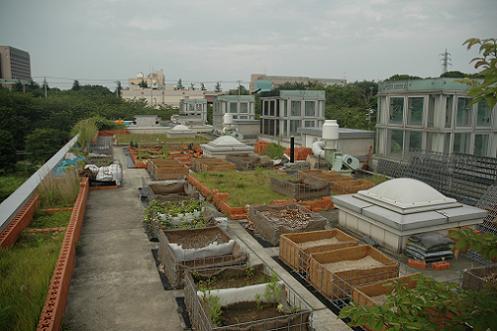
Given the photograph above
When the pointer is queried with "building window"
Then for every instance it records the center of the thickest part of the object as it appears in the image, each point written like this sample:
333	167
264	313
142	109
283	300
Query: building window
310	124
285	131
266	108
396	110
233	108
310	108
415	110
448	111
285	114
295	109
483	116
294	125
244	108
415	141
243	117
461	143
431	111
464	109
235	117
271	107
481	144
396	141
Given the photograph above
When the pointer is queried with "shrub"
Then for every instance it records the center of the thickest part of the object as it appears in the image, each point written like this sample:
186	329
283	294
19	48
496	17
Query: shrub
59	191
7	151
42	144
274	151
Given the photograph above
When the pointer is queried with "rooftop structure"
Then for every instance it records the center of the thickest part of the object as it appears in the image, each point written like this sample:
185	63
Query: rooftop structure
180	131
155	80
285	111
193	109
264	82
14	64
434	115
394	210
225	145
242	107
167	96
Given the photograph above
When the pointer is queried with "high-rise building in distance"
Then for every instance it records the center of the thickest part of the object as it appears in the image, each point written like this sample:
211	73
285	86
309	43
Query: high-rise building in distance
14	64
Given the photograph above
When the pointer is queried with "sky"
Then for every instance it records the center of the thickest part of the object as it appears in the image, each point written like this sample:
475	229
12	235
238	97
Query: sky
101	41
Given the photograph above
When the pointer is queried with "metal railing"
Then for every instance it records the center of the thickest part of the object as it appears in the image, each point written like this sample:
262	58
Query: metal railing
10	206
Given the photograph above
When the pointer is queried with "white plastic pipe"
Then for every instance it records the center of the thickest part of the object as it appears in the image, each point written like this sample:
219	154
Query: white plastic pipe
317	148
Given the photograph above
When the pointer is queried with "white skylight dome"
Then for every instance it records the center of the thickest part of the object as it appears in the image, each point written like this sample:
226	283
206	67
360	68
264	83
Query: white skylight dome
406	195
225	141
180	127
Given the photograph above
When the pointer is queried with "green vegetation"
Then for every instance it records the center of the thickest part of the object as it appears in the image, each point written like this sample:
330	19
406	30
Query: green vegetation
8	156
58	219
487	90
43	143
9	184
431	305
377	179
484	244
247	187
156	139
59	191
274	151
25	272
185	214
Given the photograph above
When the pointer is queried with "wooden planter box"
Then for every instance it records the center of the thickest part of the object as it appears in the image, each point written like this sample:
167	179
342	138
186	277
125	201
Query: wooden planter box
270	229
473	279
339	184
300	190
199	316
295	248
335	273
372	294
174	268
211	165
166	169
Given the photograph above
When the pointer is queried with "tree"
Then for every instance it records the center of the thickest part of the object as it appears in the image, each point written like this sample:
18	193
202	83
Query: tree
218	87
453	74
118	88
192	86
41	144
239	90
7	151
403	77
202	87
75	85
143	84
487	90
179	85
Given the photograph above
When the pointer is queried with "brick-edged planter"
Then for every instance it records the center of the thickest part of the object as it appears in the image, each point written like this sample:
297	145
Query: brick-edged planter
23	218
51	211
110	133
53	311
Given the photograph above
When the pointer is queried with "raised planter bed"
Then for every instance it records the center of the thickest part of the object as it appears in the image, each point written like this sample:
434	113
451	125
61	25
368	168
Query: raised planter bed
53	311
375	294
296	248
247	301
335	273
300	189
166	169
339	184
170	191
249	162
477	278
211	165
181	250
271	221
21	220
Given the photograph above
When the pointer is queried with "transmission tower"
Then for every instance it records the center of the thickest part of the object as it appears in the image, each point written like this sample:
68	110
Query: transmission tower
446	61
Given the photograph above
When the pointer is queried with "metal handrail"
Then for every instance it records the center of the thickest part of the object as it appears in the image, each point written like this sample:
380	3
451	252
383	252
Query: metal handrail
10	206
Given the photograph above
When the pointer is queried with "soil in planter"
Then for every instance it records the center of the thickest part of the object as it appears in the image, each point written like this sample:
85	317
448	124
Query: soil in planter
242	312
199	240
234	278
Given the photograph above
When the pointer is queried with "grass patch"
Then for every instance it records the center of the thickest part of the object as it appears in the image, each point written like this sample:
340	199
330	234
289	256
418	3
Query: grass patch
247	187
8	184
58	219
25	272
274	151
377	179
156	139
59	191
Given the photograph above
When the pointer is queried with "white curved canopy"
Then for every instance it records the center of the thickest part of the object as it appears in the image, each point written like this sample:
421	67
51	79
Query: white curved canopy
180	127
406	195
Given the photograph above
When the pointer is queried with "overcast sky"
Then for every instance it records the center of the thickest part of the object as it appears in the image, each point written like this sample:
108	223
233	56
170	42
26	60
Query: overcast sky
227	40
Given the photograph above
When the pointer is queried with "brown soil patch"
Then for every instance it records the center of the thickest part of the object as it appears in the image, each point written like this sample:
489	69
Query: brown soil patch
320	242
366	262
247	311
233	278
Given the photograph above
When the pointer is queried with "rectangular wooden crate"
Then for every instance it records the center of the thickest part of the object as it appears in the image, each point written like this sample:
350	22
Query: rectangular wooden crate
295	254
299	189
271	231
166	169
211	165
338	283
365	294
174	269
474	279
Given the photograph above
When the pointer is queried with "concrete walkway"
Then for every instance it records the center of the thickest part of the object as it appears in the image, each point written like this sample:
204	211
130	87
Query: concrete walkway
116	285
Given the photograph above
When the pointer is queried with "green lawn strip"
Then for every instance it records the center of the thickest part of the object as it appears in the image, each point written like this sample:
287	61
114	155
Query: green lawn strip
125	139
8	184
25	272
58	219
244	187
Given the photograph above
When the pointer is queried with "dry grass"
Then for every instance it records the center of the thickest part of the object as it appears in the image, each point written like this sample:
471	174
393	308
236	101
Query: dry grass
59	191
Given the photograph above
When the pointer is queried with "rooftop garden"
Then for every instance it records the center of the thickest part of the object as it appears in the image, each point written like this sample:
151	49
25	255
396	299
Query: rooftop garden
156	139
247	187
